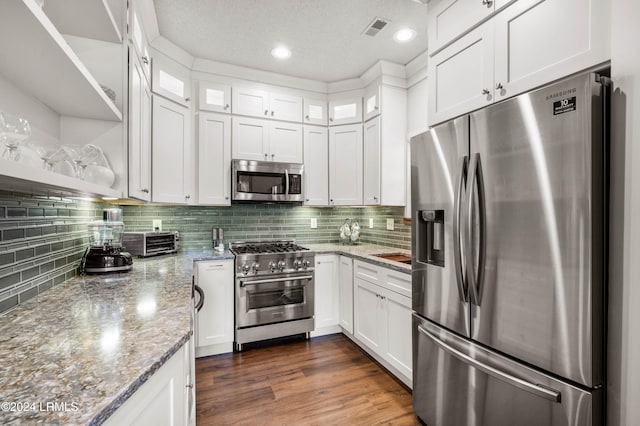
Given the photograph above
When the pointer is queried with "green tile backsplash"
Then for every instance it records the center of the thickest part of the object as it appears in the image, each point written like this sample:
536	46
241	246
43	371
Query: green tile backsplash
269	221
43	238
41	242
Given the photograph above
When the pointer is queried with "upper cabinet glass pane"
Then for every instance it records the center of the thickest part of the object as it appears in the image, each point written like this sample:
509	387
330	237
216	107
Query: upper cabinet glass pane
344	111
171	84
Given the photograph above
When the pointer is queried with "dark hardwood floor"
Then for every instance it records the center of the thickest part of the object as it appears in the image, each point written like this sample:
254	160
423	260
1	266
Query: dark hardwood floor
324	381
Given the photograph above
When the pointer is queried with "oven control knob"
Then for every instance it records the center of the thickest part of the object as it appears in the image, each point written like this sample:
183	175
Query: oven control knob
272	266
281	265
297	264
255	267
245	268
306	263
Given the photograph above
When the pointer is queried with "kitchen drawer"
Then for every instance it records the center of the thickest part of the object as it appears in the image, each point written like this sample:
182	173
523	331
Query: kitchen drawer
367	271
398	282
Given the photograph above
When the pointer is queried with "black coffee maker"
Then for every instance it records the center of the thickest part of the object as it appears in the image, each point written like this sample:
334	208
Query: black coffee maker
105	253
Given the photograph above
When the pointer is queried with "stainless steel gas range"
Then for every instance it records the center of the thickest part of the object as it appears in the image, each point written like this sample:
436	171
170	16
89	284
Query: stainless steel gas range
274	289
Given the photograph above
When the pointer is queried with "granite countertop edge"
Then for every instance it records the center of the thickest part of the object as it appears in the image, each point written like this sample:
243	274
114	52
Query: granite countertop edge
365	252
137	383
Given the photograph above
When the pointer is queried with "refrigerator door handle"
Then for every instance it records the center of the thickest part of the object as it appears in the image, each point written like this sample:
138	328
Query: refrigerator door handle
538	390
457	250
475	278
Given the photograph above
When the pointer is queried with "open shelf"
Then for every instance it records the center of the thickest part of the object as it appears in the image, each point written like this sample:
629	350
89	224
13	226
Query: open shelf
35	57
22	178
84	18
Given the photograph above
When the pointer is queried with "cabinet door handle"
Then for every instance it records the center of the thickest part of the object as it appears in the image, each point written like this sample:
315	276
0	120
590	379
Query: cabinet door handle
265	155
266	112
375	198
273	156
375	107
226	106
331	201
306	116
226	198
272	112
487	3
145	60
145	190
485	91
187	196
187	99
499	86
306	200
330	118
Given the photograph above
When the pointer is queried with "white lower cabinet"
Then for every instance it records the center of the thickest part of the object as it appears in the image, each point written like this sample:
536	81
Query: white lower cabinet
382	319
345	277
326	295
164	398
214	326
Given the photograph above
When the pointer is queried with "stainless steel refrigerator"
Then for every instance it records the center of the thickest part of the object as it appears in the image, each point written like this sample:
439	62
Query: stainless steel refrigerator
509	261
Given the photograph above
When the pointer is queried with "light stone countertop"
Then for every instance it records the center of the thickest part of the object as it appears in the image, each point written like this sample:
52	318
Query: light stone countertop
89	343
365	252
92	341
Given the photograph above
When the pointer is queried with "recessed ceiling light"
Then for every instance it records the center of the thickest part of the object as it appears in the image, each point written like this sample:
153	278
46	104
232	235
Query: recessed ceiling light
281	52
404	35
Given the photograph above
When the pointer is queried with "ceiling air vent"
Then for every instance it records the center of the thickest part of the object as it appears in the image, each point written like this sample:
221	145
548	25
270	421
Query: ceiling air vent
375	26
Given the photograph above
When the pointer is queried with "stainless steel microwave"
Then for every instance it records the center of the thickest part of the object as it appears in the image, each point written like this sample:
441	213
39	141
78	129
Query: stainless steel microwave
266	181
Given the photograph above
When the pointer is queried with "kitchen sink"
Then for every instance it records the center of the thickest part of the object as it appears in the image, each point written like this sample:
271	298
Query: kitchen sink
395	257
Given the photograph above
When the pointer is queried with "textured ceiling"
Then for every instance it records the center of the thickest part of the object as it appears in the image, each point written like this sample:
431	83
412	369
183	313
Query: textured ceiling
324	35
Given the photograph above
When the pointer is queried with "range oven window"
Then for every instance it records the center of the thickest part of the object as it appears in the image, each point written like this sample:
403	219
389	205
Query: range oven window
261	183
270	298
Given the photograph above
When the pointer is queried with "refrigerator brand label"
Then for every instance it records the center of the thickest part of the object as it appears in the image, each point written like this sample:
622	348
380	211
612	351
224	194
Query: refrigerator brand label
564	105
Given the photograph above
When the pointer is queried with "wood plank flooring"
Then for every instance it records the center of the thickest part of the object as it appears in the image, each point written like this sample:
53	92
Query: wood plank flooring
324	381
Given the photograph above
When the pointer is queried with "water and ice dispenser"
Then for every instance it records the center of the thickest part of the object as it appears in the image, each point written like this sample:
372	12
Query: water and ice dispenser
430	237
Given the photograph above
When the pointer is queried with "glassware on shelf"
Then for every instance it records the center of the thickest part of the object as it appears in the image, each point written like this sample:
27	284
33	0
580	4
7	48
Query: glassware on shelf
45	151
13	130
96	168
62	163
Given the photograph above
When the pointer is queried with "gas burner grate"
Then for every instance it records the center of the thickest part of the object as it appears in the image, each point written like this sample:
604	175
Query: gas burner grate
267	247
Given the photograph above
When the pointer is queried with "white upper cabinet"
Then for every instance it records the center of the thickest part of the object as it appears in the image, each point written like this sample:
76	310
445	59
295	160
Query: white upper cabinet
449	19
372	102
461	75
316	166
250	139
171	80
265	140
285	142
247	101
260	103
285	107
345	165
526	57
215	97
172	160
509	54
315	112
214	159
345	111
371	163
385	147
139	40
139	131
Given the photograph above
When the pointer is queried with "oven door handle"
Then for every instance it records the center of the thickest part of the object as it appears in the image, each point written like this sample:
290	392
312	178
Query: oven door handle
274	280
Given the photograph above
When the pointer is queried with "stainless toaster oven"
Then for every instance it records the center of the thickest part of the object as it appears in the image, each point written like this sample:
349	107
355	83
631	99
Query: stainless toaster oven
151	243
